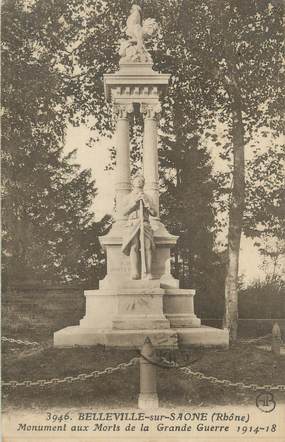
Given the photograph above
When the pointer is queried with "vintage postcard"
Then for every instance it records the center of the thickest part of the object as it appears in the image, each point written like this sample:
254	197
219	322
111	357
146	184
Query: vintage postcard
143	264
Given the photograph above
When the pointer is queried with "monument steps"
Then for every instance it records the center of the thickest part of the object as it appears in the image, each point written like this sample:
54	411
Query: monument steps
182	338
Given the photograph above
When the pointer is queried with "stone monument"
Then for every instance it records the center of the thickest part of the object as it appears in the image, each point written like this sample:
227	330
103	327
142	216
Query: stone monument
138	297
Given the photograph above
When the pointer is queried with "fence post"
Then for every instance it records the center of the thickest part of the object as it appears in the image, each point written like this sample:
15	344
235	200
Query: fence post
276	340
148	384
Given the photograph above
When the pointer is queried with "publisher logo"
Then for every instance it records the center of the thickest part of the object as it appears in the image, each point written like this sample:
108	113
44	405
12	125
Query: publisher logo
265	402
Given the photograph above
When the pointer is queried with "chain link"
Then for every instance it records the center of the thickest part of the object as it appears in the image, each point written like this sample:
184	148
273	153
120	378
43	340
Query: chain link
19	341
240	341
70	379
125	365
253	340
225	382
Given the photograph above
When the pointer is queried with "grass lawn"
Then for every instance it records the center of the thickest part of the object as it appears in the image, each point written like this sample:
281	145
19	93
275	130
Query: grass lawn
36	316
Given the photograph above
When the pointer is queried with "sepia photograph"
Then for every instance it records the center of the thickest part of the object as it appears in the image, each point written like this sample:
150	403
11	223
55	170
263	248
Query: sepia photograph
143	220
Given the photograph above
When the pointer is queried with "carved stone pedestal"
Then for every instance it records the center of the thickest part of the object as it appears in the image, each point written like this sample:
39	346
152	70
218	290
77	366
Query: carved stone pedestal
123	312
118	264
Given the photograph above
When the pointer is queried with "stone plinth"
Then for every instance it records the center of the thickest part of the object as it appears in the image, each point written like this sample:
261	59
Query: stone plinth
178	307
133	339
118	264
124	316
140	309
202	337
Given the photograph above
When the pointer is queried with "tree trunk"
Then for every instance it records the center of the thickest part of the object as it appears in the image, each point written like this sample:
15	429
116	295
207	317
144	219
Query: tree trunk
235	219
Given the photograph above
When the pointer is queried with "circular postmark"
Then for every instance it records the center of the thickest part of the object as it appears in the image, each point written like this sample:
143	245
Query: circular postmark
265	402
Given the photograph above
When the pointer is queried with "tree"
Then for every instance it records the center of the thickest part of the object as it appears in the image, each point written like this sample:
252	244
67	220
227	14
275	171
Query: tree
233	49
225	60
272	251
265	205
242	50
265	196
233	53
49	231
188	211
186	172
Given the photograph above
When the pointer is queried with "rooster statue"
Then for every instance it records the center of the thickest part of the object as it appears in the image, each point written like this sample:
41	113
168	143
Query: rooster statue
134	48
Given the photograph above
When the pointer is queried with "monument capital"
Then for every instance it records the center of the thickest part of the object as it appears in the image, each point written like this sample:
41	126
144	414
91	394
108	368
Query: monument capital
151	111
122	110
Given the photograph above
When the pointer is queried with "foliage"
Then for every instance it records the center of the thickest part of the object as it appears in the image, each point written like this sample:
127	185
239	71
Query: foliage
272	250
224	58
49	231
263	300
265	196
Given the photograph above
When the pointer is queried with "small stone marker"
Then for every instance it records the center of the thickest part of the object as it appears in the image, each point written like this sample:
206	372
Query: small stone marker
276	340
148	398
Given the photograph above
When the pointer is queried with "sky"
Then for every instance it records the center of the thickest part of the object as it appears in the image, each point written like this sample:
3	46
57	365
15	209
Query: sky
97	158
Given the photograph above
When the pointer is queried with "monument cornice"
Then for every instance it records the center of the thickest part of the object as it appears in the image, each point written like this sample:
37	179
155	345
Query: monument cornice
136	75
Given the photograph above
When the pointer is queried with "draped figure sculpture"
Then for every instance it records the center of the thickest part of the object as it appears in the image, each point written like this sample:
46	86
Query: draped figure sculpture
138	242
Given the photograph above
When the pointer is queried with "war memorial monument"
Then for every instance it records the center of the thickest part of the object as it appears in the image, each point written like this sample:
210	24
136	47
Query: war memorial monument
138	297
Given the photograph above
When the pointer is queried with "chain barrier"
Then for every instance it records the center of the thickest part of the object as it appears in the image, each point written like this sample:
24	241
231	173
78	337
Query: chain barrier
18	341
253	340
70	379
33	346
162	363
240	341
225	382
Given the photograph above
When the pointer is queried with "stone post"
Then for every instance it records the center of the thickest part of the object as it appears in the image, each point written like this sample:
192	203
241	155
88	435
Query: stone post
276	340
148	398
150	154
123	175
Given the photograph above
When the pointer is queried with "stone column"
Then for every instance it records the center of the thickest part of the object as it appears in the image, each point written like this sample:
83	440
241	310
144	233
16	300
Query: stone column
150	155
123	174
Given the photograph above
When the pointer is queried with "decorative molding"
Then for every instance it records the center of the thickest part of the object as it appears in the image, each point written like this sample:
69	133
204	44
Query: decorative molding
122	83
151	111
135	91
122	110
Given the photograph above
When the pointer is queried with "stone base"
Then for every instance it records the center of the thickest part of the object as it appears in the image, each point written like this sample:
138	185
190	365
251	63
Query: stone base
202	337
131	339
178	307
134	339
139	305
123	312
148	401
